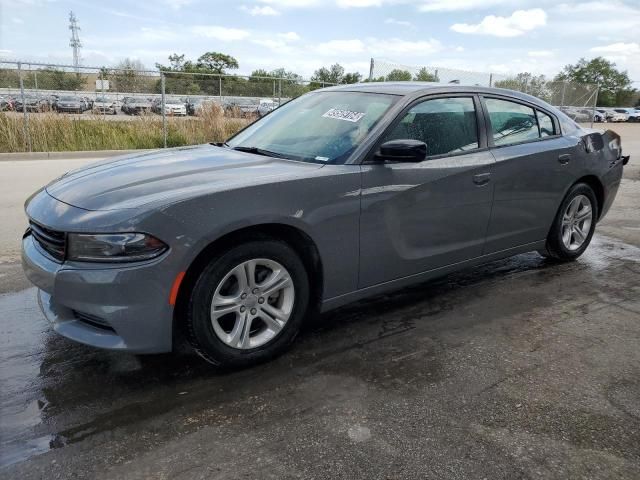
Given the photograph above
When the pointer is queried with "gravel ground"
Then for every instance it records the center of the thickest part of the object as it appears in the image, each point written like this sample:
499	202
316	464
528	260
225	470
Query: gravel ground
515	369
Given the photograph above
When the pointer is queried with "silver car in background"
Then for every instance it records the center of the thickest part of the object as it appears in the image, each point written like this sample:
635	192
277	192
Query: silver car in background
105	106
341	194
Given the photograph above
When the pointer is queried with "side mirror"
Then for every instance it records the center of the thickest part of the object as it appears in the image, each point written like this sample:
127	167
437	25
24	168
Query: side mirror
402	151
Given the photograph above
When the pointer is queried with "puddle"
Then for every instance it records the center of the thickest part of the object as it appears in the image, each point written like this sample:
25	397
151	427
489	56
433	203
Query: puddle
55	392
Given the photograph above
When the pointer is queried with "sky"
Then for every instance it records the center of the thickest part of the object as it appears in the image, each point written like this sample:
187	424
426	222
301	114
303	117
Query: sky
500	36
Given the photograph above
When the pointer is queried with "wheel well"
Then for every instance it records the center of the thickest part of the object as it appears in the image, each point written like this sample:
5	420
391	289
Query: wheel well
597	188
295	238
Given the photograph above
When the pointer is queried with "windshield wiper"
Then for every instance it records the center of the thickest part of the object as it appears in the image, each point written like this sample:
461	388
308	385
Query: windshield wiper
259	151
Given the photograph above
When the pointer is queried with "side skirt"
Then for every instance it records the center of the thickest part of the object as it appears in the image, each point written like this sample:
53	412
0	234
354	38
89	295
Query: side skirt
335	302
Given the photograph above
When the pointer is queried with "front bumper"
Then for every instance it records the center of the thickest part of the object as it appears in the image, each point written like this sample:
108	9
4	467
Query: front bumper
117	307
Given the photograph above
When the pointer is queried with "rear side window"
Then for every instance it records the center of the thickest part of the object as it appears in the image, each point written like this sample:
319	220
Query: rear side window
511	122
546	124
446	125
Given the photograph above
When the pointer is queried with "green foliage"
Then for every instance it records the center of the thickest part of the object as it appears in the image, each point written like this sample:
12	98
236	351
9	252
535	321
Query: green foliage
526	82
50	132
44	79
335	74
351	78
128	76
215	62
614	85
425	75
397	75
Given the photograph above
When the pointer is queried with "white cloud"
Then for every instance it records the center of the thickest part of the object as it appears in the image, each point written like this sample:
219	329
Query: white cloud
261	11
540	53
619	48
219	33
402	23
517	23
293	3
17	21
456	5
340	47
396	46
358	3
289	36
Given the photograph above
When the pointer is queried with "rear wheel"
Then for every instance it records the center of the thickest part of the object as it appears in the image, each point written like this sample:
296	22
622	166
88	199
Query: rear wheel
248	304
574	224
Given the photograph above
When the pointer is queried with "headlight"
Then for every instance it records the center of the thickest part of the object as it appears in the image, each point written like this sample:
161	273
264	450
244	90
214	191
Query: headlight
113	247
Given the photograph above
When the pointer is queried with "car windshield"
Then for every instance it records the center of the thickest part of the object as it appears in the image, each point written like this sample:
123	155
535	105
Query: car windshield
323	127
69	99
102	99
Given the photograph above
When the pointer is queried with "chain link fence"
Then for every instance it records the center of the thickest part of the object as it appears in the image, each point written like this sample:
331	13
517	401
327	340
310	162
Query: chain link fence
578	100
48	107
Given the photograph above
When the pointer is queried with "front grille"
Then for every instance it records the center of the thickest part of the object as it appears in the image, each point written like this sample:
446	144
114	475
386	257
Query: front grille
53	242
93	321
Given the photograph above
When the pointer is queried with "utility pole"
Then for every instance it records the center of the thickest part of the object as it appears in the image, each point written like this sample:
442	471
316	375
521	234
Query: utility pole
74	43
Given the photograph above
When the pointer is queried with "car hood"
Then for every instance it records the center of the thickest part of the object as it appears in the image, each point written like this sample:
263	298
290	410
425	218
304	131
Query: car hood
166	176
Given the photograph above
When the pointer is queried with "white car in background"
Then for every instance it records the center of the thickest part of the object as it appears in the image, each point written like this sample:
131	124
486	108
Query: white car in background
620	115
266	105
172	106
634	114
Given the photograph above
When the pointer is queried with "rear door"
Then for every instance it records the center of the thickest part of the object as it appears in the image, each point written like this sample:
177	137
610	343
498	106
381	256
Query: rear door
417	217
533	168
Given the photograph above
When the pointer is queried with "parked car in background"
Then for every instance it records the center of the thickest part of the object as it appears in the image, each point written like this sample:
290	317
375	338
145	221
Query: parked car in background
136	105
340	194
199	105
240	109
266	105
105	106
32	103
619	115
70	104
600	116
634	115
172	106
7	103
88	103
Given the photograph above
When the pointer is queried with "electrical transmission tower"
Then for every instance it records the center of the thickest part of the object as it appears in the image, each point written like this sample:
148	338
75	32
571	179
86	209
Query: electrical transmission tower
75	40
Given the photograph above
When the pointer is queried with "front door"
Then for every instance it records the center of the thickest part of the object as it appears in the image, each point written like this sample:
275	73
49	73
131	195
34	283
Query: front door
417	217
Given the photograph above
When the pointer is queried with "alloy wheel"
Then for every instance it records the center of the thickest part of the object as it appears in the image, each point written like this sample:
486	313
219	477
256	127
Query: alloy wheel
252	303
576	222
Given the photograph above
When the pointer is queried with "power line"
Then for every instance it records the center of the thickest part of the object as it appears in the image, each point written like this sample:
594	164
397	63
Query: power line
74	43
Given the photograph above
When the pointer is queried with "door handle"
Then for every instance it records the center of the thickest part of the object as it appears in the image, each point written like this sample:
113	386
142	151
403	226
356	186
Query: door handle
481	179
564	158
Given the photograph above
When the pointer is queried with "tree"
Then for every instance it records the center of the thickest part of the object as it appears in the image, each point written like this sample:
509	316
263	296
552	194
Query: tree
352	78
216	62
614	85
333	74
526	82
397	75
129	76
425	75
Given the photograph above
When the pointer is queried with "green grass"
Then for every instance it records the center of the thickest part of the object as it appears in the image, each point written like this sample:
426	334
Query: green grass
50	132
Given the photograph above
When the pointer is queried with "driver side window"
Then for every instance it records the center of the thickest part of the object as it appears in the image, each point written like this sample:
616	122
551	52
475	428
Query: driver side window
446	125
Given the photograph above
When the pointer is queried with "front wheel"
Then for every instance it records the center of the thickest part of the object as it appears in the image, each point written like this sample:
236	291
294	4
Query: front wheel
248	304
574	224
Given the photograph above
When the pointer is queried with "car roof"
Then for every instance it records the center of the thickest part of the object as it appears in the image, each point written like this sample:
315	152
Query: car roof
417	89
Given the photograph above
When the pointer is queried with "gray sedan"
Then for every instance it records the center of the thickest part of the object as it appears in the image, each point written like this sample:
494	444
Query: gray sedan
341	194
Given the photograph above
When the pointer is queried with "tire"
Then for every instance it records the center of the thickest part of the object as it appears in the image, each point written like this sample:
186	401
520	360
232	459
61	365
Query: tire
579	225
222	339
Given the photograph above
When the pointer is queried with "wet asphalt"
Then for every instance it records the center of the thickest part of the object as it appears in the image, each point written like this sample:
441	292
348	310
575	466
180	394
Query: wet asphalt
520	368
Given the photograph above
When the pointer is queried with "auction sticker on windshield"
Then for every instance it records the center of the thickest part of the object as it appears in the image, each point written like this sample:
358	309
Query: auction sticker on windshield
347	115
